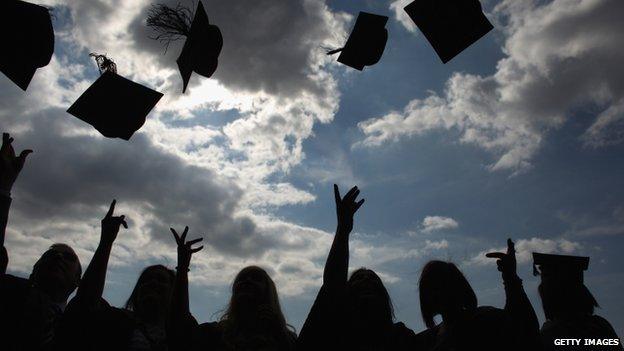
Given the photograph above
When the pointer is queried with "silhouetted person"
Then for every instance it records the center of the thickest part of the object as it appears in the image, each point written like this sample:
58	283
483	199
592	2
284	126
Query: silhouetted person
90	323
354	313
444	291
568	304
29	308
253	319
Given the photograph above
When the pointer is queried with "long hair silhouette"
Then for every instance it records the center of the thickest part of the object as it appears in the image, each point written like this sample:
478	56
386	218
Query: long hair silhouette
252	288
366	288
152	289
444	289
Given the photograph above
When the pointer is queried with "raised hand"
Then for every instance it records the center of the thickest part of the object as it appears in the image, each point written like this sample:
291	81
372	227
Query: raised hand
185	250
111	224
10	164
506	262
346	208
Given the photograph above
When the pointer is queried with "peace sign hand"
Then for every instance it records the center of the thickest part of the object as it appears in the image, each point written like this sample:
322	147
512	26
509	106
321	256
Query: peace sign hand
111	224
506	262
10	164
185	250
346	208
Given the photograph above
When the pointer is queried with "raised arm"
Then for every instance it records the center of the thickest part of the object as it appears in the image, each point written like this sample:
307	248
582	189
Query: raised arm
94	278
10	167
337	264
517	305
181	321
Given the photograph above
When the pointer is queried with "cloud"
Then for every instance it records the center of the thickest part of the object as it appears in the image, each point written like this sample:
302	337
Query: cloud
559	55
401	16
437	223
525	248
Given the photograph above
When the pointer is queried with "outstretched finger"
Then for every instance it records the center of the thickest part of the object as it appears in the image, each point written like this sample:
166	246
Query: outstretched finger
122	220
175	236
498	255
355	195
511	248
111	209
358	204
349	194
337	197
197	249
183	237
195	241
5	140
23	155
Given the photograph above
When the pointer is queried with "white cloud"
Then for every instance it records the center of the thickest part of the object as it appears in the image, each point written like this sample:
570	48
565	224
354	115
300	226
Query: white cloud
437	223
560	55
401	16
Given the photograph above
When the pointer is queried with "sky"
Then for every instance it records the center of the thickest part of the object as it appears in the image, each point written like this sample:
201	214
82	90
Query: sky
519	136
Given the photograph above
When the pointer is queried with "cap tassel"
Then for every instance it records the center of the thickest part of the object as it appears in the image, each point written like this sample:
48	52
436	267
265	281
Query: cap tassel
170	24
104	63
334	51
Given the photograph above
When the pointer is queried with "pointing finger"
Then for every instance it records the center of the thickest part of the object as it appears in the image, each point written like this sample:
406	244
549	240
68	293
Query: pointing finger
175	236
111	209
498	255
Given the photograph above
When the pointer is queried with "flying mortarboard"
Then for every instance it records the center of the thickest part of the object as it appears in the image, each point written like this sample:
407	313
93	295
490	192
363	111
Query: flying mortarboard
203	43
115	106
560	267
29	40
366	43
450	26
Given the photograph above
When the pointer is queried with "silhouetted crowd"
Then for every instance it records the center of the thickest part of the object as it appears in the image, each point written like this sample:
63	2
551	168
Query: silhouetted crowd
350	312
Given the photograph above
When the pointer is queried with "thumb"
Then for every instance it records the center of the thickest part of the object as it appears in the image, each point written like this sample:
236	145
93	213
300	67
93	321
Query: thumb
23	155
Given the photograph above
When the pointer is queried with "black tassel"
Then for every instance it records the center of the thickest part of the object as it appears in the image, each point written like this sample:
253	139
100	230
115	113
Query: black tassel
104	63
170	24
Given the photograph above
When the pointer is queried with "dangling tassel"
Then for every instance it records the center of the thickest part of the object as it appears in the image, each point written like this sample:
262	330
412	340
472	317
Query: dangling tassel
104	63
170	24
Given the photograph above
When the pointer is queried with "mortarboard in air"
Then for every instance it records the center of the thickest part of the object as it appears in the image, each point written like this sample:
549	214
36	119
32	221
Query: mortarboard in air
366	43
115	106
450	26
29	40
560	267
203	44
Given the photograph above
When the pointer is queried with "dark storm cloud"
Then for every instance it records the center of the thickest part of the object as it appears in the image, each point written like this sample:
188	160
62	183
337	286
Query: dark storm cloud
71	176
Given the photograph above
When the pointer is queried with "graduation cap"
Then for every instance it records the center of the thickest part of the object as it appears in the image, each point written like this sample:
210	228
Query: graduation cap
366	43
561	268
203	44
450	26
114	105
28	43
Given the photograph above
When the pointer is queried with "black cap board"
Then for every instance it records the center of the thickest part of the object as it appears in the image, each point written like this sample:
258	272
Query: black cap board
450	26
560	267
366	43
28	43
201	50
115	106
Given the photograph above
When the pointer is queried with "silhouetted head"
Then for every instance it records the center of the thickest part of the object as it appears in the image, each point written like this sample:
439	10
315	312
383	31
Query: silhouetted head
369	302
57	272
563	300
151	295
444	291
253	290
